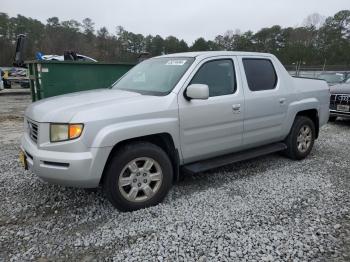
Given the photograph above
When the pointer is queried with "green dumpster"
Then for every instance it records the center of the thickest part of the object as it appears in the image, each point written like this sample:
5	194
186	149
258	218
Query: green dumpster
52	78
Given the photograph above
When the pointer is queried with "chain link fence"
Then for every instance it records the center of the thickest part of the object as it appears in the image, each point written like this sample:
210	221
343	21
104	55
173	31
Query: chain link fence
317	70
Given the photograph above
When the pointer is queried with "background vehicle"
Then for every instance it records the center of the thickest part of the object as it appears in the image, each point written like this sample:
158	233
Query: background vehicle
15	75
333	78
340	101
189	111
1	82
18	73
75	57
5	72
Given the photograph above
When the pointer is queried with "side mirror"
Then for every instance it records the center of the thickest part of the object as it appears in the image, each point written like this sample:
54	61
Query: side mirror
197	91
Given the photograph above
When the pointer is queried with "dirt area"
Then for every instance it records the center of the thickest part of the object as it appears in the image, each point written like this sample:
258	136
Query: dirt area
12	105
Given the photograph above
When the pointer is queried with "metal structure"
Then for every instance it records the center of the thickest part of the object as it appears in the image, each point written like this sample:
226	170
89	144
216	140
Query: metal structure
314	70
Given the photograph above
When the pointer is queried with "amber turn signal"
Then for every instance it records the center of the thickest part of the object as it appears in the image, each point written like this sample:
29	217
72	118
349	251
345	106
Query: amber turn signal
75	130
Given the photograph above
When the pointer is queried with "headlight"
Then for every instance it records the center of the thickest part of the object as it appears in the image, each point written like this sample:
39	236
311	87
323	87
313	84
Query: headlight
64	132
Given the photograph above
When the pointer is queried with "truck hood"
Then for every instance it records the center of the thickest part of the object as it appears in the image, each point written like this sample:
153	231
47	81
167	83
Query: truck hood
340	89
62	109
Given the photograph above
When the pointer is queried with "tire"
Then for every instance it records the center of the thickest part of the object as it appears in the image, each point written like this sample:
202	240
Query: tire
25	85
7	84
332	119
123	178
299	150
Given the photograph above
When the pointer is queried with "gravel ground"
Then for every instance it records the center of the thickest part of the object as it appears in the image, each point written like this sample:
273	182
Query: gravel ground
266	209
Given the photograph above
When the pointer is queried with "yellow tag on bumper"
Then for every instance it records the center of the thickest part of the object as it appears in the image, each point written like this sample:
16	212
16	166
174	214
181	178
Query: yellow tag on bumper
23	160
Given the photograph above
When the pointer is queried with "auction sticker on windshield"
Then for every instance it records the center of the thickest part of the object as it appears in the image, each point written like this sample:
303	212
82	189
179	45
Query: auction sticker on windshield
176	62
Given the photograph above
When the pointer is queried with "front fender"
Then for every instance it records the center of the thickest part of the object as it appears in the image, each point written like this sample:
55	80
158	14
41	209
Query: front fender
115	133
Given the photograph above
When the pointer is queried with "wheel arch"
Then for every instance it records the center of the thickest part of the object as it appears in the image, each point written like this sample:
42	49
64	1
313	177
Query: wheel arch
313	115
163	140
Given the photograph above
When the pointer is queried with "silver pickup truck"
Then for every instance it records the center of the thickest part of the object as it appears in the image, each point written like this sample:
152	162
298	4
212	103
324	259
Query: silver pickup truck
186	112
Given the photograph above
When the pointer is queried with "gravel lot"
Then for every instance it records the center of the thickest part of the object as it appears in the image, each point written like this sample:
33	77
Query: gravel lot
267	209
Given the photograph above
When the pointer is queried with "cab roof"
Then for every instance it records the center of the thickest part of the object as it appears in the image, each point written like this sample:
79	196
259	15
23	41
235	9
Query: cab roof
206	54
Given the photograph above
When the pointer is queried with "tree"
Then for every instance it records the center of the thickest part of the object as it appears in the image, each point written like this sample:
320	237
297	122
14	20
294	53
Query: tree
5	39
200	45
172	45
225	42
72	25
102	33
88	26
155	45
183	47
53	21
317	40
244	42
341	21
334	38
268	39
314	20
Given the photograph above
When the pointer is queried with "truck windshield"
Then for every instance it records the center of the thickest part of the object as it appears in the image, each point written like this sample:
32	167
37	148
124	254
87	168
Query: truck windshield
332	78
156	76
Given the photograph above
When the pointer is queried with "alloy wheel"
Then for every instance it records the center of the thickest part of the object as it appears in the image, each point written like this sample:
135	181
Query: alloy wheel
304	138
140	179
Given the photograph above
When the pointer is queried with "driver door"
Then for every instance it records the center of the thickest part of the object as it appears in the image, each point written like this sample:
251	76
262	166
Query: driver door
214	126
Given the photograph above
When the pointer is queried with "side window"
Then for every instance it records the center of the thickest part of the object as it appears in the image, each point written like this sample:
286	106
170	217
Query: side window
219	75
261	74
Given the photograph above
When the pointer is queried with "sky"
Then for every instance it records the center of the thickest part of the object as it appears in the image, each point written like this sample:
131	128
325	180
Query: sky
185	19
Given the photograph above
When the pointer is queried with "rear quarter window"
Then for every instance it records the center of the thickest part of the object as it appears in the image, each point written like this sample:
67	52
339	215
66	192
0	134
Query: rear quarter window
260	73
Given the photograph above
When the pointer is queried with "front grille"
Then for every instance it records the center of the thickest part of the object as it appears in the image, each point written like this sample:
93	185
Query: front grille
33	131
339	99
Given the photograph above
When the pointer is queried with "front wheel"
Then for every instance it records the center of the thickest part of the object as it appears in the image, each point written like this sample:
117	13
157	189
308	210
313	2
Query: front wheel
138	176
301	138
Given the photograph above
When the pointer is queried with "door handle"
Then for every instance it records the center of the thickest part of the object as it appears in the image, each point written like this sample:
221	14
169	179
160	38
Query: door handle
282	101
236	108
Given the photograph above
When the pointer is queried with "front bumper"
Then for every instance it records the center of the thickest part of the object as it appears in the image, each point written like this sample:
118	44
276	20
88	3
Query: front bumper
336	100
78	169
339	114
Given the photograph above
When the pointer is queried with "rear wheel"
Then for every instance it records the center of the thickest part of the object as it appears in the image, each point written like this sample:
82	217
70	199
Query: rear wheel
301	138
139	175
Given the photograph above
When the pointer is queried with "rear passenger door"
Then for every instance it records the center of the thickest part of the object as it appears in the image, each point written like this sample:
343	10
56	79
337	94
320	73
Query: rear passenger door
214	126
265	101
